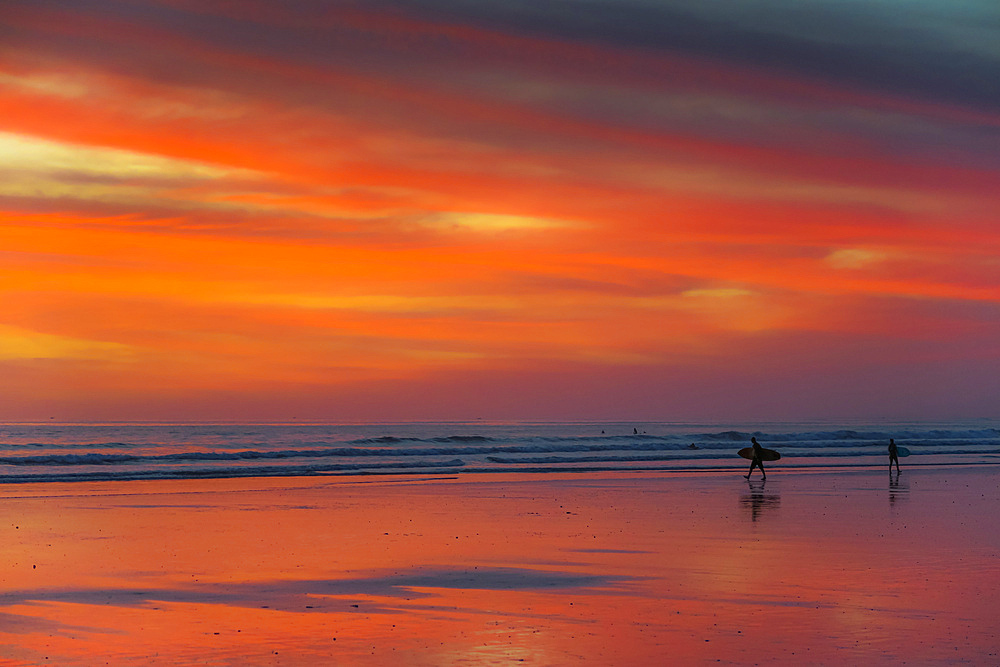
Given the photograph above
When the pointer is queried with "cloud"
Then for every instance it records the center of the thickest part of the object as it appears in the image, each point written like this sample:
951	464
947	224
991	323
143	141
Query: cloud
17	343
854	258
493	222
36	155
34	168
941	52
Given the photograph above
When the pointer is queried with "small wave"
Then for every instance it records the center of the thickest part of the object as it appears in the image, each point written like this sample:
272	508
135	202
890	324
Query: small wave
930	436
595	459
76	445
463	438
731	436
220	473
717	456
392	440
69	459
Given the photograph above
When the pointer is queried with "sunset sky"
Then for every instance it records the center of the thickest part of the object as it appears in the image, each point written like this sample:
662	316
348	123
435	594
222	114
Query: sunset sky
578	209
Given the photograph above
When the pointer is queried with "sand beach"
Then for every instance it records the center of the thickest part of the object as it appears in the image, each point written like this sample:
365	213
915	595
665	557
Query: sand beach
819	567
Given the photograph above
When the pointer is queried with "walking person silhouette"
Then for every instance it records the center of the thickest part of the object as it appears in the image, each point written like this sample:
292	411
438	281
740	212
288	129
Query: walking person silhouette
757	460
893	455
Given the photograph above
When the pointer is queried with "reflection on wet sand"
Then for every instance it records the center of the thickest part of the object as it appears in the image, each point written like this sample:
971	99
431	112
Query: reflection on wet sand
897	487
757	501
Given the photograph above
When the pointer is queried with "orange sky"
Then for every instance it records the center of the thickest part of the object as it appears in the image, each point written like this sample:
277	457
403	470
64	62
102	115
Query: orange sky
427	210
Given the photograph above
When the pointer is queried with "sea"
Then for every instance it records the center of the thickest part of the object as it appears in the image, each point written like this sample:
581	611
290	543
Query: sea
67	452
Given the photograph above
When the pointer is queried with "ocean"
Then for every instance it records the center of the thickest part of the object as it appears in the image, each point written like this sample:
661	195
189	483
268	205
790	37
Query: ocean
65	452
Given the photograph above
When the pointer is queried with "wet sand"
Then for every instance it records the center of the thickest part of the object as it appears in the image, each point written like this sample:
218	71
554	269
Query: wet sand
832	567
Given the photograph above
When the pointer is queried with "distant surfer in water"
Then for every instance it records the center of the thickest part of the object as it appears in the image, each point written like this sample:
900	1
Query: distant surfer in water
893	455
757	460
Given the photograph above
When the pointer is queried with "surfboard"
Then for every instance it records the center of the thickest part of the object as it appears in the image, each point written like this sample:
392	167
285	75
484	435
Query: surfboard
902	451
765	454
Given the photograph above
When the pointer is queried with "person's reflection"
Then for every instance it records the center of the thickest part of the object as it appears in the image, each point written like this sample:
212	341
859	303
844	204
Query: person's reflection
896	488
757	501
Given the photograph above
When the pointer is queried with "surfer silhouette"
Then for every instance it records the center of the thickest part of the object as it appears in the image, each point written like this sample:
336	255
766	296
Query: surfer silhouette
757	461
893	455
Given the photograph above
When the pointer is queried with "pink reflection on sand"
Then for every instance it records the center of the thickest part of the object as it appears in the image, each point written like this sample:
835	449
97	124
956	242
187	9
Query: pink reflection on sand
841	567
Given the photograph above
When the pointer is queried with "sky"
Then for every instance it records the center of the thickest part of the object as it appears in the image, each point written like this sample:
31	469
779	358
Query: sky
500	209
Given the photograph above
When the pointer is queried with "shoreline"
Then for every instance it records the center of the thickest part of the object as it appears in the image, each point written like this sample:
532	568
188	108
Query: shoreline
513	472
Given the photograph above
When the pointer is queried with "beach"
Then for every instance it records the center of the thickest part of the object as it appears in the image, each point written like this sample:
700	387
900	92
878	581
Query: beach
443	333
831	566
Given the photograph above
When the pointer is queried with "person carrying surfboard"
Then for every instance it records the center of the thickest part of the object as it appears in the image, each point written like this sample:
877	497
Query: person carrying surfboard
757	459
893	455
